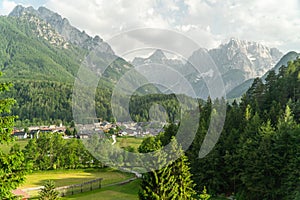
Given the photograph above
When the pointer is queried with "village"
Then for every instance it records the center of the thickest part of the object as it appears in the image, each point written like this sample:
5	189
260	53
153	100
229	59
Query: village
83	131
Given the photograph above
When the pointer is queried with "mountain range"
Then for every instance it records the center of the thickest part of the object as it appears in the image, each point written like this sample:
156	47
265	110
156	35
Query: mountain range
41	45
41	50
237	61
241	89
46	20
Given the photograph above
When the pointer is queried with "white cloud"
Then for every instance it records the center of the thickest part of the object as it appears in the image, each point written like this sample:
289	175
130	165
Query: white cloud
208	22
271	22
106	17
7	6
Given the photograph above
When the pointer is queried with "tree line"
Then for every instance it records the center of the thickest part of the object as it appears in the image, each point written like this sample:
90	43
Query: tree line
52	151
49	102
257	155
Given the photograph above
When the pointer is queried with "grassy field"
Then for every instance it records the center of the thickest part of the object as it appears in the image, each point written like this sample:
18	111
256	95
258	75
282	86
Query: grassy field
70	177
128	191
121	192
129	141
6	147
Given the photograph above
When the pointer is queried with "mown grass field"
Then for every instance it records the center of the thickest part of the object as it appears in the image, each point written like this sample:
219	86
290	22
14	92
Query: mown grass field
127	191
71	177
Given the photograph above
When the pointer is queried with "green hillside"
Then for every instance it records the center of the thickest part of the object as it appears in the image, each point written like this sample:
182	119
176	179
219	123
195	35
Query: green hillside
25	56
43	71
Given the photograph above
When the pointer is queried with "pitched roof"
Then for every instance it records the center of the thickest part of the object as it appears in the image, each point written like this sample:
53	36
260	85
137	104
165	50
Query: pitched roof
19	192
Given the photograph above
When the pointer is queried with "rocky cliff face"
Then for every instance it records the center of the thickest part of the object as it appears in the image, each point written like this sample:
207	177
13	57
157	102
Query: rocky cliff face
237	62
252	58
63	28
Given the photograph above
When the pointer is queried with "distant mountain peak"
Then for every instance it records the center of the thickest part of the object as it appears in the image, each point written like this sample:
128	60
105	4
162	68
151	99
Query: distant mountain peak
20	10
234	42
199	52
64	28
251	57
157	55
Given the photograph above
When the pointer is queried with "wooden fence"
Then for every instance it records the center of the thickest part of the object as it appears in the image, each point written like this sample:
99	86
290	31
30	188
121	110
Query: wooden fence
79	188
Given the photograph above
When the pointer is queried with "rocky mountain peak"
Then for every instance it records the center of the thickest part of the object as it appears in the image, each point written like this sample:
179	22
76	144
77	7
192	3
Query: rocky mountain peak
64	28
257	58
240	60
234	42
19	11
158	55
39	27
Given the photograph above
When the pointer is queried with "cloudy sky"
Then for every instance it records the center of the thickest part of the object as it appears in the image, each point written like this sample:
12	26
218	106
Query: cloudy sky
209	22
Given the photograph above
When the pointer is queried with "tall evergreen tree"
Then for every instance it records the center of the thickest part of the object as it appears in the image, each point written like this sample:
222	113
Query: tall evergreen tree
172	180
49	192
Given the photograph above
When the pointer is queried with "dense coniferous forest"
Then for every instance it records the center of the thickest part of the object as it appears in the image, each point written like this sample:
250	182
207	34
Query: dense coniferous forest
46	102
257	155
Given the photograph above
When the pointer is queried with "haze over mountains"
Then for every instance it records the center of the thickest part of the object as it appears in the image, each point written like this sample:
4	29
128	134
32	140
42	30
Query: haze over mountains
237	61
239	90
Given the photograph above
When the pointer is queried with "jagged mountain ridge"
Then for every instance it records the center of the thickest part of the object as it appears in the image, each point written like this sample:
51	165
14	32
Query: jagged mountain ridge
64	28
158	57
237	61
43	26
253	58
242	88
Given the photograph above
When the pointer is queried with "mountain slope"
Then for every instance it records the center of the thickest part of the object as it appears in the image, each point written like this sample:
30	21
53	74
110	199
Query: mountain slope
24	56
290	56
41	45
242	88
42	63
237	61
63	27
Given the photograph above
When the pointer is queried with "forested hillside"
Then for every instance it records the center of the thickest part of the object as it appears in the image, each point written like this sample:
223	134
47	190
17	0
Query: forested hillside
40	102
43	70
257	156
25	56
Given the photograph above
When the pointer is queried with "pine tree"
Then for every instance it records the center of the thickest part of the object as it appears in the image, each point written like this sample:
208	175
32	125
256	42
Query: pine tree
172	181
204	195
287	152
49	192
